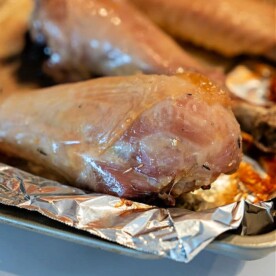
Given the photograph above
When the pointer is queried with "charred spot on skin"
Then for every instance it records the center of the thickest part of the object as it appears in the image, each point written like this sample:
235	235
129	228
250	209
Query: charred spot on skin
206	167
189	94
80	106
239	142
206	187
42	152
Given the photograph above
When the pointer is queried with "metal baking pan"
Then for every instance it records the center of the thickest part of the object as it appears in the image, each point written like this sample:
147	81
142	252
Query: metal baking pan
235	246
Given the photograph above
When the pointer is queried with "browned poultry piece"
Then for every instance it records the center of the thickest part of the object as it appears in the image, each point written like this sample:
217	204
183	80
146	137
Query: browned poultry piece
230	27
105	37
137	136
259	121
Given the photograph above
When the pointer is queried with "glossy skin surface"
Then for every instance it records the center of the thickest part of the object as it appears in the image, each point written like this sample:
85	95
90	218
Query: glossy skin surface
231	27
137	136
105	37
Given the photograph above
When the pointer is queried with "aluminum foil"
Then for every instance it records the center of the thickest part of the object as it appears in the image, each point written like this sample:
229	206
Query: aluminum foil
253	82
174	233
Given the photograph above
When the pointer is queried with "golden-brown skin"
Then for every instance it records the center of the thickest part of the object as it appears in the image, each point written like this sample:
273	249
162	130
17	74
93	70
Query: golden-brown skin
14	21
136	136
231	27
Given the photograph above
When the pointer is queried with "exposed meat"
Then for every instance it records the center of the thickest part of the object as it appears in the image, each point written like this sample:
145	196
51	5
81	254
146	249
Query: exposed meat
135	136
105	37
258	121
231	27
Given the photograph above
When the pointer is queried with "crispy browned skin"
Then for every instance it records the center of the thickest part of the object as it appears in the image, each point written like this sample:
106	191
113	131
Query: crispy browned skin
14	18
231	27
105	37
137	136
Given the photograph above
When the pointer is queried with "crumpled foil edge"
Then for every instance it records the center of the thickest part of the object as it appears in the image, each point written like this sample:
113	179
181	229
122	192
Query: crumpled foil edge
174	233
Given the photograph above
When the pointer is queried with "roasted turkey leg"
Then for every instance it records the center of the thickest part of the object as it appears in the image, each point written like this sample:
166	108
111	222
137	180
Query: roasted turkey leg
136	136
106	37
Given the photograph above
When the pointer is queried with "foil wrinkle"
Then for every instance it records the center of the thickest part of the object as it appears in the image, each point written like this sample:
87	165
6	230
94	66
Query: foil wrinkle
174	233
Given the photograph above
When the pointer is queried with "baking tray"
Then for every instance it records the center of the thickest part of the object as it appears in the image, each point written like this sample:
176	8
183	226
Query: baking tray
235	246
